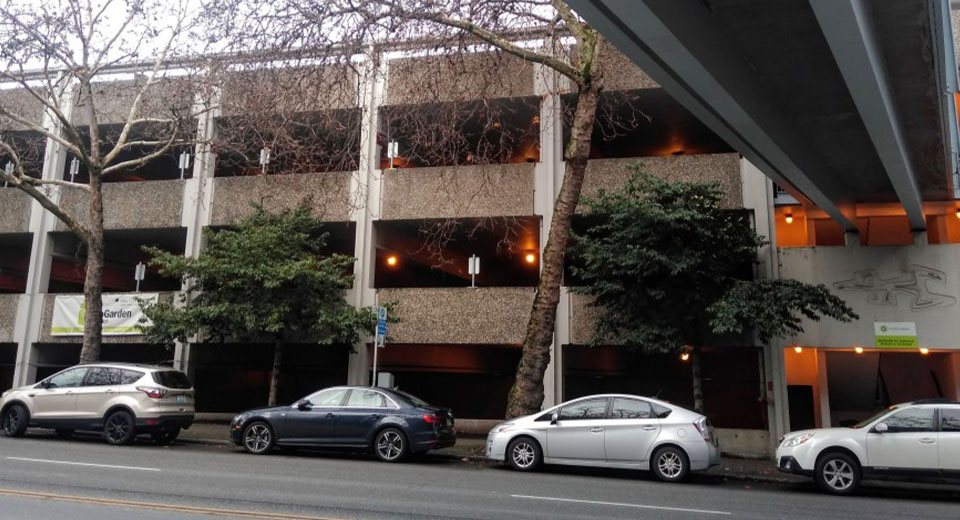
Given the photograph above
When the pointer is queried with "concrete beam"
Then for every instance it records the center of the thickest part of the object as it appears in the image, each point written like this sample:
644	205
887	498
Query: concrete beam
847	27
679	45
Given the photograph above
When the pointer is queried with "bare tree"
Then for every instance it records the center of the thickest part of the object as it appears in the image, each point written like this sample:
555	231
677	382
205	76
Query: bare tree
110	79
543	32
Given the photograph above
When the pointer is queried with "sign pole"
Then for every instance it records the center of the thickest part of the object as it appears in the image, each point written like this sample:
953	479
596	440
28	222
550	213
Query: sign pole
379	339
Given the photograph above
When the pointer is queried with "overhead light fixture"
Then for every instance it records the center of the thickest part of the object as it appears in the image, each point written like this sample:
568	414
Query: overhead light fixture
392	260
798	349
858	350
924	350
684	356
958	212
530	258
788	218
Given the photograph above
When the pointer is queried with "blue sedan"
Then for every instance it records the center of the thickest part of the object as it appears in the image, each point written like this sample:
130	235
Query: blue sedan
389	423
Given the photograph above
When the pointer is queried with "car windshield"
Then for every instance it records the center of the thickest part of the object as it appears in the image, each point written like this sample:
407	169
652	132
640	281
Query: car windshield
864	423
414	400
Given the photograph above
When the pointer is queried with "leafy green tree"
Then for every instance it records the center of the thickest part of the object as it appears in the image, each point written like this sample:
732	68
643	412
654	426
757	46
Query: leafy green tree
671	269
264	279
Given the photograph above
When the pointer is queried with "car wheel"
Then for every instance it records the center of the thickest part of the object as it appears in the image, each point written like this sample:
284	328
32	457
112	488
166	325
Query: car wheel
119	428
166	436
63	433
390	445
258	438
670	464
524	454
15	420
837	473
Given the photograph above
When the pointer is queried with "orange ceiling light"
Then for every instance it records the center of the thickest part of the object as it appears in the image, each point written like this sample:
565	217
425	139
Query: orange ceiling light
858	350
530	258
392	260
798	349
788	218
924	350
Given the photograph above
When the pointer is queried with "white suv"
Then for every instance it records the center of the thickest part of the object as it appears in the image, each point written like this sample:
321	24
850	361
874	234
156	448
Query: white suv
916	441
121	400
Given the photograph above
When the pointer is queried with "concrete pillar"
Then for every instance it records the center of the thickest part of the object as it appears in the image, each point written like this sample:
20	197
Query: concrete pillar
365	190
823	388
197	200
548	176
30	307
851	239
920	238
757	192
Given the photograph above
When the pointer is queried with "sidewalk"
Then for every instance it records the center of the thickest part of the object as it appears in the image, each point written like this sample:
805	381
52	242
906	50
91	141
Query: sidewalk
470	449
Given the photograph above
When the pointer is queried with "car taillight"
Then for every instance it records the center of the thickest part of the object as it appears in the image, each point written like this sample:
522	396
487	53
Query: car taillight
704	428
152	391
432	419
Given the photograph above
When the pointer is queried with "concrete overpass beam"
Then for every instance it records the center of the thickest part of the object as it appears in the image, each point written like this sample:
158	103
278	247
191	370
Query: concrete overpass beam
849	32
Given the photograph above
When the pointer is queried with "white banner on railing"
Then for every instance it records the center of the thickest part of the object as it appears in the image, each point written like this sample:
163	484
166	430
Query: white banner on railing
121	314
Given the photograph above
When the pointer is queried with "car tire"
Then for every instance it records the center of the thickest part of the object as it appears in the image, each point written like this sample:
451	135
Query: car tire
119	428
524	454
670	464
15	420
390	445
257	438
166	436
837	473
63	433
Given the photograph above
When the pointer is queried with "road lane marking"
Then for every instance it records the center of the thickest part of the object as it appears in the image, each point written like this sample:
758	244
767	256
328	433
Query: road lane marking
211	511
68	463
623	504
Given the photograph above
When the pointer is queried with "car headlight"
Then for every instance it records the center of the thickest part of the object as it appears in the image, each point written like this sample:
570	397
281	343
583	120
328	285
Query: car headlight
503	427
791	442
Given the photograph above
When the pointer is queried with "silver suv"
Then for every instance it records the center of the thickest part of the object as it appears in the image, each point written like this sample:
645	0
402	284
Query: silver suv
121	400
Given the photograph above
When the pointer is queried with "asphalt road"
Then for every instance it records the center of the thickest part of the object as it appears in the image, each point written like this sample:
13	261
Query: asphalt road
43	477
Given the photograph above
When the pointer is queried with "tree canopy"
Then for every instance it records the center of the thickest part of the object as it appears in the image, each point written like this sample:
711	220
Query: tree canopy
670	267
264	278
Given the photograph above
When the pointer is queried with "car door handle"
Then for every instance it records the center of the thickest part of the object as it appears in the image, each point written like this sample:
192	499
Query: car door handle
927	440
329	414
68	392
596	430
649	428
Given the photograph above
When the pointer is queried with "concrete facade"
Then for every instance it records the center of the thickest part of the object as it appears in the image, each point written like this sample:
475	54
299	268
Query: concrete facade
440	316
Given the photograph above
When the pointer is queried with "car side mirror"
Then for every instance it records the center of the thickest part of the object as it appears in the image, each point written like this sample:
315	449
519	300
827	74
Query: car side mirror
43	384
303	405
554	417
881	428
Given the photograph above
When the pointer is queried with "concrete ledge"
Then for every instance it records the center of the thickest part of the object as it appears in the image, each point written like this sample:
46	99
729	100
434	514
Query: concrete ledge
744	444
458	192
131	205
486	315
233	196
16	211
8	316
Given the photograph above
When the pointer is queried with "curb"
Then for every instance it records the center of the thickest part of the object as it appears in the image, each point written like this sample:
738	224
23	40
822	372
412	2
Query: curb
740	477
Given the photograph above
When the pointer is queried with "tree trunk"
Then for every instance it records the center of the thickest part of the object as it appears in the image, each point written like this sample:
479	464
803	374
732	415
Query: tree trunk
93	281
697	380
275	373
526	396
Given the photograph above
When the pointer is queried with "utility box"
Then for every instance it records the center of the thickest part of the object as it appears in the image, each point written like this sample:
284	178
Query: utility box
385	380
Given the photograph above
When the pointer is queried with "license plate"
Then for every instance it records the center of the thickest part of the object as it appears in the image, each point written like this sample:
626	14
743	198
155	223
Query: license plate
181	399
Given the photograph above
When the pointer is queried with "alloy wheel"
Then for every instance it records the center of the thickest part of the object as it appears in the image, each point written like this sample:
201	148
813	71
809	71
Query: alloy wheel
838	474
257	438
670	464
118	428
390	445
523	455
11	421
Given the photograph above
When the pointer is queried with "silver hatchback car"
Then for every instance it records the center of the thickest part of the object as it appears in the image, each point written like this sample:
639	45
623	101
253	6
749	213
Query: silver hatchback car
121	400
612	430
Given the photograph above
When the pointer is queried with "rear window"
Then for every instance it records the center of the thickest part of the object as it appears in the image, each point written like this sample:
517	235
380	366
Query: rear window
172	379
414	400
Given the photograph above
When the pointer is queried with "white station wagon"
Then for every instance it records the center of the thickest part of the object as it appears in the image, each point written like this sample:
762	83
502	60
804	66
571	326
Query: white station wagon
913	441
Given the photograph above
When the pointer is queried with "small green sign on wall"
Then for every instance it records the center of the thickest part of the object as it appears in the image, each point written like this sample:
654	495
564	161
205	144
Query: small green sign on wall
895	334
